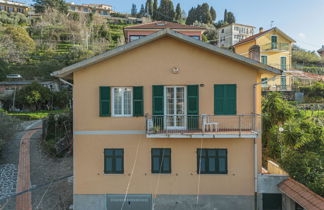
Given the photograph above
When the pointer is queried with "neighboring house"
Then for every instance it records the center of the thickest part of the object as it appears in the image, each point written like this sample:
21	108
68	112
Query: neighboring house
9	87
166	122
230	34
297	196
13	6
139	31
101	9
279	191
321	51
271	47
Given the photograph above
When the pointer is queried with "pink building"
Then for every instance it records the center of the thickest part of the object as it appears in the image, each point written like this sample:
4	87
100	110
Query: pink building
138	31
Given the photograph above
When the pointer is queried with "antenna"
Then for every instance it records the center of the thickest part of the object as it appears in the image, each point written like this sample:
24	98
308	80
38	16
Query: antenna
271	23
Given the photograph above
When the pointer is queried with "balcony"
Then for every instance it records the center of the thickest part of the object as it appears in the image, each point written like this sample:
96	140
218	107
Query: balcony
203	126
275	47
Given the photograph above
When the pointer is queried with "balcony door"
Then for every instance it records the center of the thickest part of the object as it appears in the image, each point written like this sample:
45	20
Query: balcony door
175	108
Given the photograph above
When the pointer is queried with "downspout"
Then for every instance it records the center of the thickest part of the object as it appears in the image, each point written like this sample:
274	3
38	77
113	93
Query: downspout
255	146
66	82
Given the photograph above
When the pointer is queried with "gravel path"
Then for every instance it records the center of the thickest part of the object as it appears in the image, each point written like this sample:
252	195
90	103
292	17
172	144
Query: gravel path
43	169
8	179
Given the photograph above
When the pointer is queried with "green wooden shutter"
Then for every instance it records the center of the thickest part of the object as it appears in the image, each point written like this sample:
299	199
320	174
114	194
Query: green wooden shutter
138	102
225	99
193	106
104	101
230	104
283	63
219	99
158	105
158	99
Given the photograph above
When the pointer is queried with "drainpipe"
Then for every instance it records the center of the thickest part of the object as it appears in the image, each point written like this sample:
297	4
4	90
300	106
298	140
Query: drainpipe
255	146
66	82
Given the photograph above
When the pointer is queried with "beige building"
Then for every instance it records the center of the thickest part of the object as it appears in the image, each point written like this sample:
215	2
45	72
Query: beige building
230	34
13	6
166	122
100	9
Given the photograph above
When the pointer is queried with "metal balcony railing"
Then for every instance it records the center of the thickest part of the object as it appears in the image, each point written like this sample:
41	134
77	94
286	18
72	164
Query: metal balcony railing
276	46
238	125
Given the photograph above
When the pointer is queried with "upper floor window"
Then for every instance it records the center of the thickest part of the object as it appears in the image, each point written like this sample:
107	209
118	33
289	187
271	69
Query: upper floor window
264	59
122	101
196	37
223	30
11	9
161	161
212	161
72	8
225	99
114	161
85	10
135	37
2	8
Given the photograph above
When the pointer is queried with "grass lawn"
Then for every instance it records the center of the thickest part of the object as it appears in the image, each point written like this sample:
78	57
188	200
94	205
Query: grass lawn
36	115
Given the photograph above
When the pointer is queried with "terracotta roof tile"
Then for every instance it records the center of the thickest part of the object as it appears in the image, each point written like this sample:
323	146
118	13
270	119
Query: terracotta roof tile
302	195
253	37
164	25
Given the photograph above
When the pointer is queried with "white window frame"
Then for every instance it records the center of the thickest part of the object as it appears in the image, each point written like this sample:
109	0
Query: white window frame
185	108
113	102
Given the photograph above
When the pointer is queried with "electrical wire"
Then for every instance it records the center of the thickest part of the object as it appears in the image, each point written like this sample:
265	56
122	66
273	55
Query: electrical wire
132	173
199	170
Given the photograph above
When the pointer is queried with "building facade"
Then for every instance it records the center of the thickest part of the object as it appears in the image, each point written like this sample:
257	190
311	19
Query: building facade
101	9
271	47
139	31
229	35
166	122
12	6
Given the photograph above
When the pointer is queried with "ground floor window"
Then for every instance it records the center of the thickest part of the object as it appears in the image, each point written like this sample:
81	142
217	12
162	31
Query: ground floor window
114	161
212	161
161	160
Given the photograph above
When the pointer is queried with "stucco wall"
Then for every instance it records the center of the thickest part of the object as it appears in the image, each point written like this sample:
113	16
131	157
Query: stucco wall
150	65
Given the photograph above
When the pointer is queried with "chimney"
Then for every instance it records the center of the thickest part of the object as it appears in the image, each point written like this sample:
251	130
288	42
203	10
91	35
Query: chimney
261	29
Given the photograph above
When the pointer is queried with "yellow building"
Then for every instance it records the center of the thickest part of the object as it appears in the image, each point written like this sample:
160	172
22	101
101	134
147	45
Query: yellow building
13	6
166	122
274	48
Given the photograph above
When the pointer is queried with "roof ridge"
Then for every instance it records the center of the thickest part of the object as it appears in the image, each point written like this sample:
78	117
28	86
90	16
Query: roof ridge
150	38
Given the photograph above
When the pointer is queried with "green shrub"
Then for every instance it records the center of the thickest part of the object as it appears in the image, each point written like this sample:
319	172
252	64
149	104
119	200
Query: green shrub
58	128
314	93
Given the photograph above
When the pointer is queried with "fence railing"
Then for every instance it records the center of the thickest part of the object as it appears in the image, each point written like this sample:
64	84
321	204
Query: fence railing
275	46
196	124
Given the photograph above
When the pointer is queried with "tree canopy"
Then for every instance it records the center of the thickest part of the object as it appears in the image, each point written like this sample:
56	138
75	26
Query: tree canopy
201	14
178	13
213	13
165	11
42	5
298	145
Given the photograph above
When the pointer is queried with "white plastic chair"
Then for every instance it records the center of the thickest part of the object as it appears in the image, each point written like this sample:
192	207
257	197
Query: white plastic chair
208	125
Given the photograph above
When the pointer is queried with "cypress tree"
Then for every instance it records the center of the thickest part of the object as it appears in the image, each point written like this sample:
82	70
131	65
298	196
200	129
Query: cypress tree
230	18
178	13
225	15
155	9
213	13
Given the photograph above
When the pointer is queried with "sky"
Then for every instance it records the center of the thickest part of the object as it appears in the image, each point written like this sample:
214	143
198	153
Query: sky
303	20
